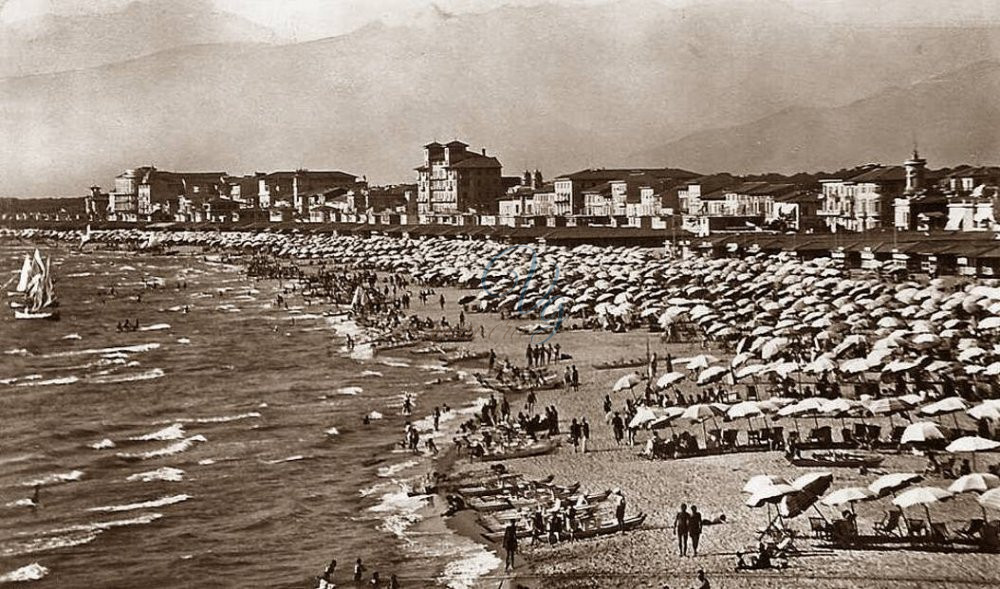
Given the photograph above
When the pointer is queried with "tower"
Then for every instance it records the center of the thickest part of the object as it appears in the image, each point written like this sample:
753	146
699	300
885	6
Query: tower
536	180
915	169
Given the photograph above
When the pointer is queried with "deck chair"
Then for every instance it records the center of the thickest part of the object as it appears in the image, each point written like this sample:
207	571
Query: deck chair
730	438
916	527
860	432
714	438
874	433
938	533
847	435
889	526
819	528
777	438
753	437
897	434
973	530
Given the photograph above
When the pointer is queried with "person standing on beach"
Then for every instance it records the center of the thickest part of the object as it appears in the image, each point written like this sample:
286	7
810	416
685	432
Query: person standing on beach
359	571
681	528
442	302
584	434
620	510
510	545
528	355
531	401
576	379
694	529
618	426
574	435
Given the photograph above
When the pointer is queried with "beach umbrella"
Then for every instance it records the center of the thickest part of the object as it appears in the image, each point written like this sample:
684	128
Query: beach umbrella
795	504
773	346
643	416
976	482
668	379
990	499
920	432
700	413
821	364
972	444
701	361
750	370
893	482
669	415
848	496
711	374
985	411
770	495
627	382
816	483
950	405
922	496
760	482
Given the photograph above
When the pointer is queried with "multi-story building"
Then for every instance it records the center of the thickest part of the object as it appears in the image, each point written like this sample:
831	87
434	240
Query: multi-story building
569	189
293	189
864	201
142	192
456	180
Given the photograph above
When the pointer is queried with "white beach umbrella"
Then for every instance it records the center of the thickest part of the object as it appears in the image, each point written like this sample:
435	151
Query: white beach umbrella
922	431
893	482
986	410
990	499
770	495
848	496
922	496
627	382
712	374
976	482
669	379
760	482
972	444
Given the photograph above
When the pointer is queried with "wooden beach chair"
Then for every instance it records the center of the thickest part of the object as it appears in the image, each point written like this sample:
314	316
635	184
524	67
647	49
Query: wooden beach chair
819	528
889	526
777	438
896	436
753	437
730	439
973	530
938	533
916	528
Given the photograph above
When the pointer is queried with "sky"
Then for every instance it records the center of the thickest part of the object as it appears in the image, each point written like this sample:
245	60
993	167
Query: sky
304	20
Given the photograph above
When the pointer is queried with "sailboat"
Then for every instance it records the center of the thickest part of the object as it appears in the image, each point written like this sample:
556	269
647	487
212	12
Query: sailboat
39	298
23	278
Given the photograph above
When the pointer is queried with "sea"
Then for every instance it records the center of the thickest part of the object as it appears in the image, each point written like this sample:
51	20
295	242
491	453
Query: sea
221	444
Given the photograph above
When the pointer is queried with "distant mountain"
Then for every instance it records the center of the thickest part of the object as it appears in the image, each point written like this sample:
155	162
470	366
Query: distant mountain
954	117
553	87
57	43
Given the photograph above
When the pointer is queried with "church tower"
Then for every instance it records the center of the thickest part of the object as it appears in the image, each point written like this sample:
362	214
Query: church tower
915	169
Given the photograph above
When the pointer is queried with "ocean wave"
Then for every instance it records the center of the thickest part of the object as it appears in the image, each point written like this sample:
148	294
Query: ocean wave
125	349
151	374
175	448
31	572
161	502
375	415
73	336
48	542
396	362
173	432
104	444
17	352
221	419
295	458
183	340
23	502
79	274
55	478
349	390
392	469
332	431
166	473
371	373
15	379
399	510
473	563
155	327
52	381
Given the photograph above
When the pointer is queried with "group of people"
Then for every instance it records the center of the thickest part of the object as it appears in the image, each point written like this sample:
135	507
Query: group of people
358	577
540	354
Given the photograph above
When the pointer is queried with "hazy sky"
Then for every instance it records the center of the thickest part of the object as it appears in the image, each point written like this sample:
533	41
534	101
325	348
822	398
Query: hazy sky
310	19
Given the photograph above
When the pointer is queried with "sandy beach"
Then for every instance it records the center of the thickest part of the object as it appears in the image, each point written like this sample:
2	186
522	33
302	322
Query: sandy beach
649	557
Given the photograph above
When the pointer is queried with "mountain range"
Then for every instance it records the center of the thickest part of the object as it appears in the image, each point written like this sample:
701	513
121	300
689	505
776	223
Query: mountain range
727	85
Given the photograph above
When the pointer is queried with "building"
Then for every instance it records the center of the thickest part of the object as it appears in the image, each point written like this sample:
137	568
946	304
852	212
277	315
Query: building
453	179
390	198
144	192
865	201
569	189
96	204
293	189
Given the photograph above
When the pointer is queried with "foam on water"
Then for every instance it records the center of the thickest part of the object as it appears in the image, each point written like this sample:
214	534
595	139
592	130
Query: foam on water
392	469
295	458
395	362
23	502
161	502
16	379
17	352
166	473
332	431
104	444
31	572
72	336
371	373
151	374
125	349
349	390
48	542
473	562
399	510
55	478
375	415
155	327
183	340
221	419
173	432
52	381
175	448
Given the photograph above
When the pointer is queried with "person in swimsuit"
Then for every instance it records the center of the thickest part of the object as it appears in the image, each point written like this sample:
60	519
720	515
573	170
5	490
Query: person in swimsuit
681	528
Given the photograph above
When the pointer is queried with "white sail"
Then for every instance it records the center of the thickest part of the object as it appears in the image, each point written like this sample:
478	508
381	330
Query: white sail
85	237
22	282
